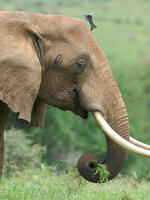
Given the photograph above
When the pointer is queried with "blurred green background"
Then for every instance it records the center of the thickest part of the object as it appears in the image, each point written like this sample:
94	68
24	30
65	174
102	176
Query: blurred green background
124	35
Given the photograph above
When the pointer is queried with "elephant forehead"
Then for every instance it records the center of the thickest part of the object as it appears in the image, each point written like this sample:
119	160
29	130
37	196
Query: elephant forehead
59	26
72	31
75	24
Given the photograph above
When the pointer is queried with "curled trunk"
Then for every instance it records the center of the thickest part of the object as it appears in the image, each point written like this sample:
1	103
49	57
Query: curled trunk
114	159
114	111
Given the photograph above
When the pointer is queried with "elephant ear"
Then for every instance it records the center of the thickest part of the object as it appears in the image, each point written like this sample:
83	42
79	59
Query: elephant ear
21	69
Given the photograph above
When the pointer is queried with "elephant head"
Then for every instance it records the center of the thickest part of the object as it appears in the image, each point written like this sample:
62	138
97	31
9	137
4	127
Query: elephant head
54	60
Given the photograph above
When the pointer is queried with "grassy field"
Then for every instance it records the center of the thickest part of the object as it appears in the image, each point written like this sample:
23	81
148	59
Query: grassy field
45	184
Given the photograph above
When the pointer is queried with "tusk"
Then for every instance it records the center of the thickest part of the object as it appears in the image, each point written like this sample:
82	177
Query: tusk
140	144
117	138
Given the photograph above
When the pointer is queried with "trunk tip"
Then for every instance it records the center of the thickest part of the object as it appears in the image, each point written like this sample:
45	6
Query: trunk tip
86	167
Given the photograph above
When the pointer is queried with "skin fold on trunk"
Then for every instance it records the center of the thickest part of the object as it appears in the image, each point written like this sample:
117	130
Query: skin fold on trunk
114	111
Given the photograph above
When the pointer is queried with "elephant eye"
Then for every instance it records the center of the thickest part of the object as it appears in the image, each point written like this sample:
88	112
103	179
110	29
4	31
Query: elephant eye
80	65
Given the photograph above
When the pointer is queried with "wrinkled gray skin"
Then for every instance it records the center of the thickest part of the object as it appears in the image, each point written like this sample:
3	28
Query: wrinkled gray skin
46	59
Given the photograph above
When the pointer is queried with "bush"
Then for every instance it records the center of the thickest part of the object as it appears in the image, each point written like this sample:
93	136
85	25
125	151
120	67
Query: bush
19	152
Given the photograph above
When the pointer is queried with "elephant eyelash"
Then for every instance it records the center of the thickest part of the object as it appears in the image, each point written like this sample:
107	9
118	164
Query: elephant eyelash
57	61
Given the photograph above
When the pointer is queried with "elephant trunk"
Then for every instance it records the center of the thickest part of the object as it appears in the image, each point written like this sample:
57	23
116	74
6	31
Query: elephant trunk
114	111
116	155
114	159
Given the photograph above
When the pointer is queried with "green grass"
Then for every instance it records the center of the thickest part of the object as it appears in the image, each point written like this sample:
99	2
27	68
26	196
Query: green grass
46	184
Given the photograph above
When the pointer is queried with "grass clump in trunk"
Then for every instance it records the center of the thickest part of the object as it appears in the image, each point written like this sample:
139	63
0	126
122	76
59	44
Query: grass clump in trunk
101	169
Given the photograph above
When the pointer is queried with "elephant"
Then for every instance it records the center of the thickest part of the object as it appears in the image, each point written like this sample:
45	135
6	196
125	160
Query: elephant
54	60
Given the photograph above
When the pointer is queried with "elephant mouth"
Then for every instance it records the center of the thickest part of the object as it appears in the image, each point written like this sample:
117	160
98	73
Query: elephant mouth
82	113
78	108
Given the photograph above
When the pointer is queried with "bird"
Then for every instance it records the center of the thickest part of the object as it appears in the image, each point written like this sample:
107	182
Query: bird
89	18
